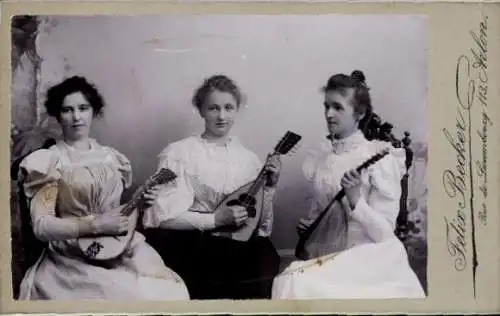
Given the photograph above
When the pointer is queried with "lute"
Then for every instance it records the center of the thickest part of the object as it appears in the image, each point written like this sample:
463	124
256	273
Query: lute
307	247
251	196
103	248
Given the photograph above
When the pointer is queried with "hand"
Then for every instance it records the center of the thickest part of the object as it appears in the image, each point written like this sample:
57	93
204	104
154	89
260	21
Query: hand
304	223
149	196
273	169
351	182
232	215
111	223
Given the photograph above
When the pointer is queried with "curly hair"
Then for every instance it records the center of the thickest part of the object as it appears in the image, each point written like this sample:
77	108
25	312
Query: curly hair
56	95
220	83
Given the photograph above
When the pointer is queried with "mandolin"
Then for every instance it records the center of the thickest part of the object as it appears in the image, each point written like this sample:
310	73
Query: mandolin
251	196
334	226
103	248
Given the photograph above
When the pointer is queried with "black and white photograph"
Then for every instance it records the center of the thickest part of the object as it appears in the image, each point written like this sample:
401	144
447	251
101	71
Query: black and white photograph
210	157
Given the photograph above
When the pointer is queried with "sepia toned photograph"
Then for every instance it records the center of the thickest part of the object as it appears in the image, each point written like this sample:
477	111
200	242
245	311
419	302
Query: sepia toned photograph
210	157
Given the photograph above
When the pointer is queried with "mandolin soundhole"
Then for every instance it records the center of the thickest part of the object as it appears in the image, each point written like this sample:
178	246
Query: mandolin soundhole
246	201
252	212
94	249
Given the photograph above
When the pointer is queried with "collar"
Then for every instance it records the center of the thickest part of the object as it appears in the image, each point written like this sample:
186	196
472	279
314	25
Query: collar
348	143
231	140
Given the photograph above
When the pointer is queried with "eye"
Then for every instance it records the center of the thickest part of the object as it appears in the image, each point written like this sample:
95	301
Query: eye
65	109
230	107
336	106
84	107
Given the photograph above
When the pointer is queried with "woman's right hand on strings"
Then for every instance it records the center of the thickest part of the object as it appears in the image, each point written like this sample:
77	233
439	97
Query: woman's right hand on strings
111	223
304	223
231	215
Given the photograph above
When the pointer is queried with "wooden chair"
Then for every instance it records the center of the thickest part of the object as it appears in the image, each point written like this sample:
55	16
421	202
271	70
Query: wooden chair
375	128
26	248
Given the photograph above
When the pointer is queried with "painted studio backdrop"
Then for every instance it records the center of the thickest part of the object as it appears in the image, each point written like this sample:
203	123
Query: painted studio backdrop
147	68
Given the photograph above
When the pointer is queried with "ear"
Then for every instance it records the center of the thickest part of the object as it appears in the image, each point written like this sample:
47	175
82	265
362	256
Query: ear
359	116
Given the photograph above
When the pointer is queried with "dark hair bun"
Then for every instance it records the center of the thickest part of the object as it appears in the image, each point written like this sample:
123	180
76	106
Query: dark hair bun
358	75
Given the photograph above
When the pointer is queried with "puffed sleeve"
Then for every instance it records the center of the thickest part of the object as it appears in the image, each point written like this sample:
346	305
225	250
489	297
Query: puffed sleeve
40	175
37	170
172	207
378	213
124	166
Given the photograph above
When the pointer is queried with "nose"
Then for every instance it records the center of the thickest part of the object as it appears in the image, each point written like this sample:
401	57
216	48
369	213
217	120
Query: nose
222	114
76	115
330	113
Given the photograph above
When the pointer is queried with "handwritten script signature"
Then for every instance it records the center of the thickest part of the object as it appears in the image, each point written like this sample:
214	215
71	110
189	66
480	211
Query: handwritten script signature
472	95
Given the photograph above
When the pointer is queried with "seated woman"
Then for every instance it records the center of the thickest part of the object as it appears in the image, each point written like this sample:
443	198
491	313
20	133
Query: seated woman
181	222
366	259
73	189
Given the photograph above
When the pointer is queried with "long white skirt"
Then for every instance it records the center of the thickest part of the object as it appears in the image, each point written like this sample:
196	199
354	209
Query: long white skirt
140	276
369	271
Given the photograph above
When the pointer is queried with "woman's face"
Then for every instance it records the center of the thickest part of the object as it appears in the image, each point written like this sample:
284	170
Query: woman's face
219	112
339	113
76	116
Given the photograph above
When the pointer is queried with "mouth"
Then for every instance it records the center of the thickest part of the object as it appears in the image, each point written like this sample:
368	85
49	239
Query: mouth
221	124
78	125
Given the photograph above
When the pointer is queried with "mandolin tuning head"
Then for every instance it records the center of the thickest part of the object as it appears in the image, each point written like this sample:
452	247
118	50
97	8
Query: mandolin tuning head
287	143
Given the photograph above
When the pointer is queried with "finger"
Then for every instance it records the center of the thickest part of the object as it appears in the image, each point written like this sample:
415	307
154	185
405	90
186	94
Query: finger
349	175
353	182
243	220
347	184
242	217
156	189
276	161
241	212
273	160
354	175
123	224
356	182
150	196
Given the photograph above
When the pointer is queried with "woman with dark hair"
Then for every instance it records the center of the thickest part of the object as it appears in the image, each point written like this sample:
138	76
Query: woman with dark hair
363	258
73	190
210	166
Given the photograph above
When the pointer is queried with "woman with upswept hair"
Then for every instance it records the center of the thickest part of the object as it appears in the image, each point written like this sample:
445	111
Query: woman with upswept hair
210	166
357	254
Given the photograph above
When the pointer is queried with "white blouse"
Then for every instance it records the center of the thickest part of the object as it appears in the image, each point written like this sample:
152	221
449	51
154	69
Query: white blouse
206	172
373	218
